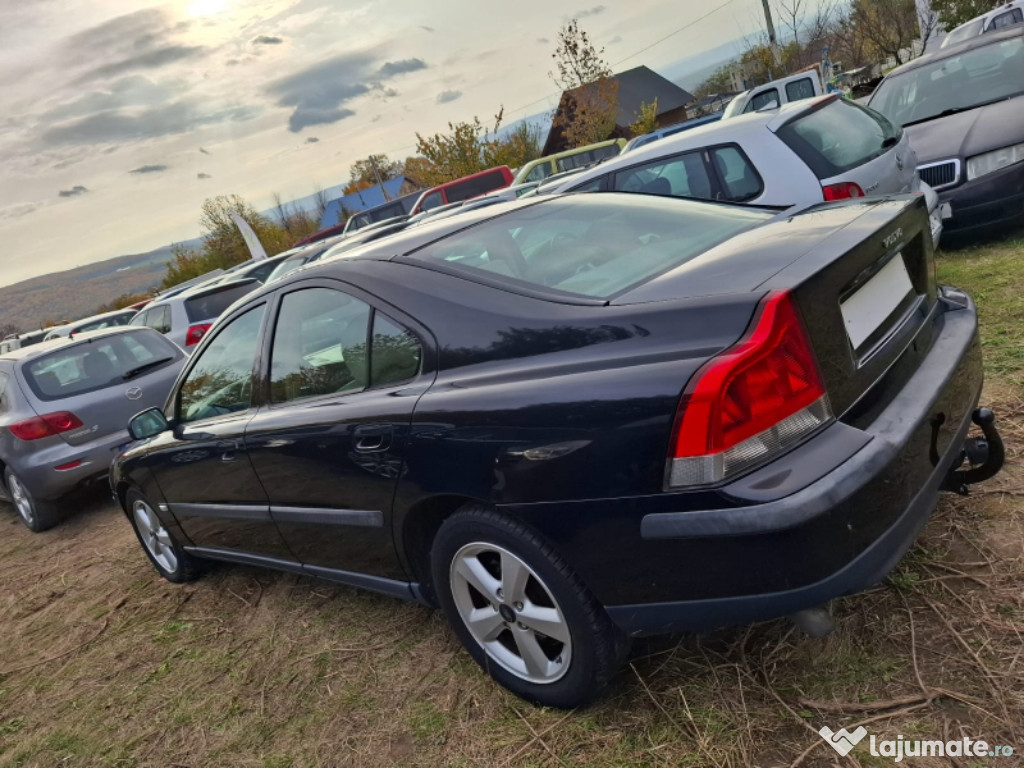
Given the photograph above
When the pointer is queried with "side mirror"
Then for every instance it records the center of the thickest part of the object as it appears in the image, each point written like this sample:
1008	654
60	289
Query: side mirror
149	423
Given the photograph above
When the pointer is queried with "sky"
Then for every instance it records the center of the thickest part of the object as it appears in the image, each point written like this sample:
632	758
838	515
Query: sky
118	119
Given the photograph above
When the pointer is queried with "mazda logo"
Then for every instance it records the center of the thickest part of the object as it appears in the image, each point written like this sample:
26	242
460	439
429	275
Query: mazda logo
134	393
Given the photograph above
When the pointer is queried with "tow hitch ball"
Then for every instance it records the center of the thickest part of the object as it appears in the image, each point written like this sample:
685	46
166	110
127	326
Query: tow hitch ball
984	455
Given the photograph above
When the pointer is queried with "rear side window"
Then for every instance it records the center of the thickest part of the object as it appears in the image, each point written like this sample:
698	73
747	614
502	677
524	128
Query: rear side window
157	318
481	185
319	345
763	99
740	179
394	352
1008	19
800	89
680	176
210	306
96	364
838	137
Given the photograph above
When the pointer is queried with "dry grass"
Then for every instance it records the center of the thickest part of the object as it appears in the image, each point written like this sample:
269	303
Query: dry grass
104	664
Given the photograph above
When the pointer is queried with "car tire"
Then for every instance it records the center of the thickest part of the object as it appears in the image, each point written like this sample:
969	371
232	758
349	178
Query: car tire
37	515
498	583
164	552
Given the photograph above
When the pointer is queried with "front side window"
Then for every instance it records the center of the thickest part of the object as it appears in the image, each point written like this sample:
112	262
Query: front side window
763	100
319	345
140	319
220	380
679	176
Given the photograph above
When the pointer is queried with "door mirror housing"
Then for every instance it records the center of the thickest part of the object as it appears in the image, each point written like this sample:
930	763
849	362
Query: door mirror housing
149	423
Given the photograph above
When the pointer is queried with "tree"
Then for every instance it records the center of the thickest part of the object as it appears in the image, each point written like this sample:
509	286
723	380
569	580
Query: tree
470	148
792	13
576	58
646	120
590	97
953	13
888	27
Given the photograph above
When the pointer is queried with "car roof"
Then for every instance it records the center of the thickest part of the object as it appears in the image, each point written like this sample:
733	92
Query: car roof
988	38
45	347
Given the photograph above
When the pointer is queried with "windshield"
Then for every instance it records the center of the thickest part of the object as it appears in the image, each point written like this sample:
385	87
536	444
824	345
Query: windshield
975	77
963	32
591	245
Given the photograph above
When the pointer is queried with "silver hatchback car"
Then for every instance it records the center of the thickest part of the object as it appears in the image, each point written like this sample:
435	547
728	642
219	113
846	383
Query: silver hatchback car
805	152
64	405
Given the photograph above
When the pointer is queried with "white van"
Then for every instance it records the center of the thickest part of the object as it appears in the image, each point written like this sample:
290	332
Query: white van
803	85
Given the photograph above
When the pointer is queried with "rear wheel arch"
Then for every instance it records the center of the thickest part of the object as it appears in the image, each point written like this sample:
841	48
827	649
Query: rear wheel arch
418	527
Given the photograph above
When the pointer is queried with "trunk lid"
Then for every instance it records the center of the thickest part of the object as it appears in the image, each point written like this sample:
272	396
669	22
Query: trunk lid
104	380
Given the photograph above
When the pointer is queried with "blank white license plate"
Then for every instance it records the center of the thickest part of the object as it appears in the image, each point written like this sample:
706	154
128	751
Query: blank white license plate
866	310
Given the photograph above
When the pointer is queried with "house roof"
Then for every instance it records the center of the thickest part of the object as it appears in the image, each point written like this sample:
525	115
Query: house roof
637	86
370	197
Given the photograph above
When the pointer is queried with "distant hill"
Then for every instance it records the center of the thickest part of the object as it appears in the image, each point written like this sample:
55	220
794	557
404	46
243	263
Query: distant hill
76	293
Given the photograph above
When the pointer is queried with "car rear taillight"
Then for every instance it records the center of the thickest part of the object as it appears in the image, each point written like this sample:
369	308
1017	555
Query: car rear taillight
751	403
45	425
844	190
195	333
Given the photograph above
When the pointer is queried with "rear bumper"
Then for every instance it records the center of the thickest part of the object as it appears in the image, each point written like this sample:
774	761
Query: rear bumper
830	518
39	474
993	201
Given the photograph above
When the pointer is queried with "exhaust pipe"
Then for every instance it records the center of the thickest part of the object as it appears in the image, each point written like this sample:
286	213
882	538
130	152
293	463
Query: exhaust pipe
814	622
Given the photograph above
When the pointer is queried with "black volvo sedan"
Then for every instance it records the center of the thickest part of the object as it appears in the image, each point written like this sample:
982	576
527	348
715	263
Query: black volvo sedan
575	420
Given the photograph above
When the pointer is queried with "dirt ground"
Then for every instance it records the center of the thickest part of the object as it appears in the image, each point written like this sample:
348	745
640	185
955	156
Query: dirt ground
105	664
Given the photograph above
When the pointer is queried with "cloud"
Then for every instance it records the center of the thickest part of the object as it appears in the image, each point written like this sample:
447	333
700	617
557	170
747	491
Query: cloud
317	93
445	96
428	29
615	40
131	91
154	59
203	176
589	12
75	191
392	68
204	151
20	209
149	169
312	140
174	118
267	40
543	40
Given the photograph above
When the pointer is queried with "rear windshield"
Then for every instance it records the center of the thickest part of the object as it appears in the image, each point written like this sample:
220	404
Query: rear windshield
838	137
209	306
92	365
594	245
464	190
106	322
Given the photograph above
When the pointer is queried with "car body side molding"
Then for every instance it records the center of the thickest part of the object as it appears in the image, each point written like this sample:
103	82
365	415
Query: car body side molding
367	518
225	511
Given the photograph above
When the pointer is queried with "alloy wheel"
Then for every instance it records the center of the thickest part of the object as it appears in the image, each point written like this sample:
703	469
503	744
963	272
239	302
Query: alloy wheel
154	536
21	500
510	612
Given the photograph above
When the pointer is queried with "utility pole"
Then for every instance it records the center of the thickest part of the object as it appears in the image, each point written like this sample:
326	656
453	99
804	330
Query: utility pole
376	173
773	41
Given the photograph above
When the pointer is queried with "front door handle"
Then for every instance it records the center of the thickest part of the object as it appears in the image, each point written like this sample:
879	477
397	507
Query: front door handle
372	437
227	449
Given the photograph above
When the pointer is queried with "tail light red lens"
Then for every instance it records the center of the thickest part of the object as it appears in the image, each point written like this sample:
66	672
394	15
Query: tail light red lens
844	190
195	333
45	425
753	401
